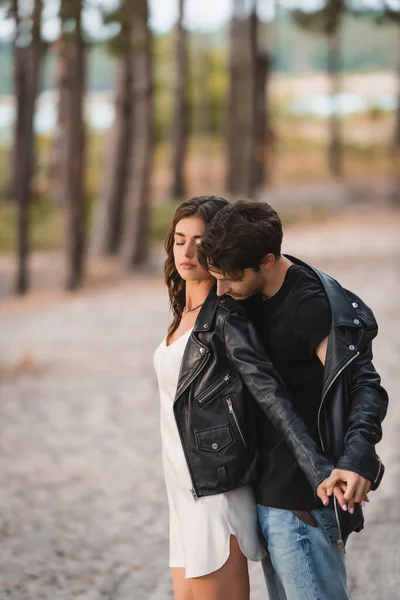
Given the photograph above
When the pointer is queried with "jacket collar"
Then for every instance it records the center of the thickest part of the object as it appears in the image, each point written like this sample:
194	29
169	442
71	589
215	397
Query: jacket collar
343	343
343	313
206	314
196	353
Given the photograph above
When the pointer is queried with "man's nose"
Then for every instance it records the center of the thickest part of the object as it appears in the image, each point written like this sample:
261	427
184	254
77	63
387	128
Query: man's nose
221	289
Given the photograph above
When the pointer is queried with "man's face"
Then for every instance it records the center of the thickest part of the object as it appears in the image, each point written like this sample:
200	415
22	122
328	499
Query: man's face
245	285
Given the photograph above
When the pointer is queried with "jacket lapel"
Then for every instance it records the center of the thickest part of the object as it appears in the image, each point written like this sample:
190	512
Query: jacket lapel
341	347
196	352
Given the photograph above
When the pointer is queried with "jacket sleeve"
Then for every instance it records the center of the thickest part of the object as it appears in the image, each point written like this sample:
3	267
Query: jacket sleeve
247	356
368	406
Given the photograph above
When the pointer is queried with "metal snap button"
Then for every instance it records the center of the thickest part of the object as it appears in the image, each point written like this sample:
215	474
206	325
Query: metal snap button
351	347
214	446
356	322
355	305
205	325
202	350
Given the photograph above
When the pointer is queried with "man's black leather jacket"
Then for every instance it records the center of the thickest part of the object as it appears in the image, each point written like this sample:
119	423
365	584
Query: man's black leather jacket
226	378
353	402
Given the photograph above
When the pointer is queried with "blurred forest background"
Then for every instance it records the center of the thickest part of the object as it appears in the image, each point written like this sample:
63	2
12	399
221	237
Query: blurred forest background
109	119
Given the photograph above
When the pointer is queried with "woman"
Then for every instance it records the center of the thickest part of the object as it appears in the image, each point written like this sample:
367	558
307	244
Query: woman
205	367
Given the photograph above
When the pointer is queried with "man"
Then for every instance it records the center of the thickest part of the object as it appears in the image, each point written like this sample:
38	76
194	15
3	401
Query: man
318	336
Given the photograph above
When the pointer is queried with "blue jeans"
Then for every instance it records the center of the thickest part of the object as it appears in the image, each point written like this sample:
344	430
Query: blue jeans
303	562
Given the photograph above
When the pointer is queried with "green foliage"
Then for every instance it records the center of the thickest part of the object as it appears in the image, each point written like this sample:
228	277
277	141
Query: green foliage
46	223
324	21
70	11
121	19
375	113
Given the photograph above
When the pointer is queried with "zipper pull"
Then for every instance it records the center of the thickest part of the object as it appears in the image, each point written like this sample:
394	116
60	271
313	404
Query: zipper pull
341	545
193	492
229	403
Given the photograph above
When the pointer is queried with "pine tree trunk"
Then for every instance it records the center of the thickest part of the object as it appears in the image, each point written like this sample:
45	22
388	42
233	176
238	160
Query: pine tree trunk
56	158
73	152
135	242
394	194
239	134
396	137
335	143
261	122
179	130
27	62
257	107
107	226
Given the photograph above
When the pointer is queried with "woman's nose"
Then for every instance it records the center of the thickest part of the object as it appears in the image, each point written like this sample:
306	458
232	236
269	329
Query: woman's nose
190	250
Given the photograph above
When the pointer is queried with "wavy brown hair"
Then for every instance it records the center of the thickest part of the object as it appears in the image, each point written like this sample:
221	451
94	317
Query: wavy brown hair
205	208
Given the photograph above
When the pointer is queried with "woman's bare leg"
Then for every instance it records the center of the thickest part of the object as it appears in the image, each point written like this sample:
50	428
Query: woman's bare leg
182	587
231	581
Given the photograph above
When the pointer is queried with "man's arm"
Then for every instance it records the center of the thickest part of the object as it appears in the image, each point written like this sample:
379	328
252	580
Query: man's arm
246	354
359	465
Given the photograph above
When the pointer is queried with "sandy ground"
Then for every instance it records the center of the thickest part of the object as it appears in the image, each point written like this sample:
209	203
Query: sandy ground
83	510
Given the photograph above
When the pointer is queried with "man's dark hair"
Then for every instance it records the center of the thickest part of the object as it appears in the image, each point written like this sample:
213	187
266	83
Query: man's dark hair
240	236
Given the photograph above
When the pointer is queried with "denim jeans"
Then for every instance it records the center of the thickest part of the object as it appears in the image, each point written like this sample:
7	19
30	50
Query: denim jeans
303	562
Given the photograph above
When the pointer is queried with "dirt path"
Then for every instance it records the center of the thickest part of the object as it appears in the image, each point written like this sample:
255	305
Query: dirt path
82	505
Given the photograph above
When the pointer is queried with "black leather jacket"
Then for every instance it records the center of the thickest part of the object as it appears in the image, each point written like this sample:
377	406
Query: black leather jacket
353	402
224	375
226	378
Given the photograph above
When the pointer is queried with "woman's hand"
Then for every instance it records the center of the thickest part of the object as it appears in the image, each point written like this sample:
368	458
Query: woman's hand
349	488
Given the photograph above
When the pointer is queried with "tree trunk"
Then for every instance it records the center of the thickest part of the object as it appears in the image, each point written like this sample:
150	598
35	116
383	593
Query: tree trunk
239	117
26	79
56	158
335	144
232	148
135	242
394	194
396	137
247	106
107	226
258	112
179	130
73	152
261	122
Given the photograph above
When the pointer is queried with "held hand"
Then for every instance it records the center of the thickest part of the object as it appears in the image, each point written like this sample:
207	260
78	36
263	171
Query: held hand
339	493
348	487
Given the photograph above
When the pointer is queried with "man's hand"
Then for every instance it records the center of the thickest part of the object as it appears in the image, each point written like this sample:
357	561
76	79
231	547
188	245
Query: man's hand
348	487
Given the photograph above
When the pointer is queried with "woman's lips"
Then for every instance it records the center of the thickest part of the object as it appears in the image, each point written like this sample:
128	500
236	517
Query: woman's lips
187	266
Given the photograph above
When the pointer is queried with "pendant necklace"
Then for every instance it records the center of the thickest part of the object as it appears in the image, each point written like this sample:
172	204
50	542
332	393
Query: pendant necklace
187	310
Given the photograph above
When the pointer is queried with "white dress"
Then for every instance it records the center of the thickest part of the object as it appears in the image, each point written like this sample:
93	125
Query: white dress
199	531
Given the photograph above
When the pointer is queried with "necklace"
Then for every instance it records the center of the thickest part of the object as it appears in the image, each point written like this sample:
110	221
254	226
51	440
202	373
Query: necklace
187	310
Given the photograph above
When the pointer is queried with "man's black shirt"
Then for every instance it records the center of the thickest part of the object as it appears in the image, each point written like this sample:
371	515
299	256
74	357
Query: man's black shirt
291	325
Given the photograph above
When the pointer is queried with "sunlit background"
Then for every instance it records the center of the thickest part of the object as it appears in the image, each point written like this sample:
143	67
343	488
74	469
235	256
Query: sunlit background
111	113
279	100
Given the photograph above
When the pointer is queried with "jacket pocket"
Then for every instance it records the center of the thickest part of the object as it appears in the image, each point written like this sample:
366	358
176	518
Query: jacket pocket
214	439
230	405
214	389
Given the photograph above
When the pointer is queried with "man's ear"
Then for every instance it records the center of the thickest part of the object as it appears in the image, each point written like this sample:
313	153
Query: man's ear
268	262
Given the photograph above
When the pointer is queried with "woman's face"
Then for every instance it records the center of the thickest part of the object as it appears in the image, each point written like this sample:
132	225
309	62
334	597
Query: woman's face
187	237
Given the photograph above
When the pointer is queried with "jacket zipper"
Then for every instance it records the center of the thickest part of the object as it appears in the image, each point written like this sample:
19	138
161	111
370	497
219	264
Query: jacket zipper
340	540
192	490
379	470
197	371
216	388
327	390
236	420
